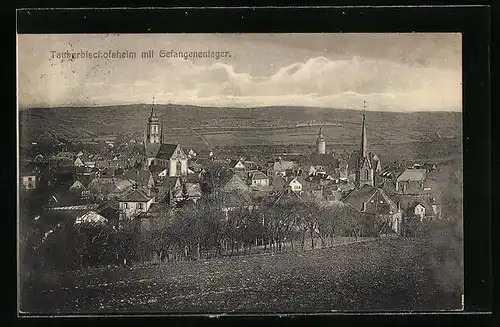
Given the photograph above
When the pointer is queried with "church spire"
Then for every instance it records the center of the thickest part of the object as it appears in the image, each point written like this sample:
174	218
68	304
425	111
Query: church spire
153	108
364	142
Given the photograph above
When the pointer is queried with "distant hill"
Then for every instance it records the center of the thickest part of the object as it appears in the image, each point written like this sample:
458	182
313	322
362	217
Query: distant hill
236	126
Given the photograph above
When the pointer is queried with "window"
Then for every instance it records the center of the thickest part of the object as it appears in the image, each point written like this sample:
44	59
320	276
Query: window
366	173
139	206
126	205
179	167
30	179
364	206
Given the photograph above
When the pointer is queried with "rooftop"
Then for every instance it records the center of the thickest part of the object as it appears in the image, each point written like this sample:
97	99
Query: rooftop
136	195
412	175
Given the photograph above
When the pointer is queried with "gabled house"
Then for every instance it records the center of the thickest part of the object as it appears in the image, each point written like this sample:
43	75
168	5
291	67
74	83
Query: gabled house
92	218
109	188
78	162
411	181
143	178
292	184
84	175
232	201
237	183
77	187
375	202
280	167
322	163
237	164
257	178
134	202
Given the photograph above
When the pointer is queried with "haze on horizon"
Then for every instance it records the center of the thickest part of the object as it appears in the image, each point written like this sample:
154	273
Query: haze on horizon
391	72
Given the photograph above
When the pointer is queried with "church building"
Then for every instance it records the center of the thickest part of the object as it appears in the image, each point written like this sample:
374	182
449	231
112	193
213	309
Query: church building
158	153
368	165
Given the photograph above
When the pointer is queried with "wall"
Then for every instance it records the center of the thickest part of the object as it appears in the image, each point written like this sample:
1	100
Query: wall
130	208
173	167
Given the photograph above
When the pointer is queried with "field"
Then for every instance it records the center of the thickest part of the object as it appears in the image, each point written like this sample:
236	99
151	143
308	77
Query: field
396	274
191	125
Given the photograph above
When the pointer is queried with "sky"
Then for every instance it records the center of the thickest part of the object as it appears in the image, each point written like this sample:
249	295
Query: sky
391	72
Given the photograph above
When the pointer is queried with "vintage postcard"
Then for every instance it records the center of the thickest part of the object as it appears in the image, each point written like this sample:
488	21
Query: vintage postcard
239	173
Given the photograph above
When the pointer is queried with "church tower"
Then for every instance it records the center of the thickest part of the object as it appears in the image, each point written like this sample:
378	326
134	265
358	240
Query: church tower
153	133
320	143
364	170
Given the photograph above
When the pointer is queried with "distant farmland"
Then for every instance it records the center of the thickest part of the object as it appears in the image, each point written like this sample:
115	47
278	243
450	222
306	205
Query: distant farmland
422	132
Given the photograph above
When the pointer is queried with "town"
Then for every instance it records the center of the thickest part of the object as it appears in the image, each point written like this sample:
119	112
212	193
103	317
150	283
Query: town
160	201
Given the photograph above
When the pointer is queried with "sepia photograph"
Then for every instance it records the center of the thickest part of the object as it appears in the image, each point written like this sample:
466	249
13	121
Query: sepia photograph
247	173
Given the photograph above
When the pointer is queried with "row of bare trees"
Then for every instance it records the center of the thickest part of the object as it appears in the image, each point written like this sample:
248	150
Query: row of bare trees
212	228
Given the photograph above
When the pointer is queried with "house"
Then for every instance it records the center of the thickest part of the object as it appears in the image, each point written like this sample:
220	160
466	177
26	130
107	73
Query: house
92	218
322	163
411	181
237	183
63	155
237	164
118	163
280	167
195	167
134	202
77	187
84	175
249	164
232	201
257	178
78	162
176	189
421	206
158	173
184	190
109	188
143	178
293	184
375	202
73	211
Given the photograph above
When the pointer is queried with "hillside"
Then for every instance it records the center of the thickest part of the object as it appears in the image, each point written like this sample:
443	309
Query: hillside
237	126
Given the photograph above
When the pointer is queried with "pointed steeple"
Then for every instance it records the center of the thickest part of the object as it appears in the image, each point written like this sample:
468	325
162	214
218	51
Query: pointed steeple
364	142
152	116
320	135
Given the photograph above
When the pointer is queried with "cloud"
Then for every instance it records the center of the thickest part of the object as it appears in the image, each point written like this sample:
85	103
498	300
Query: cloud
317	81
